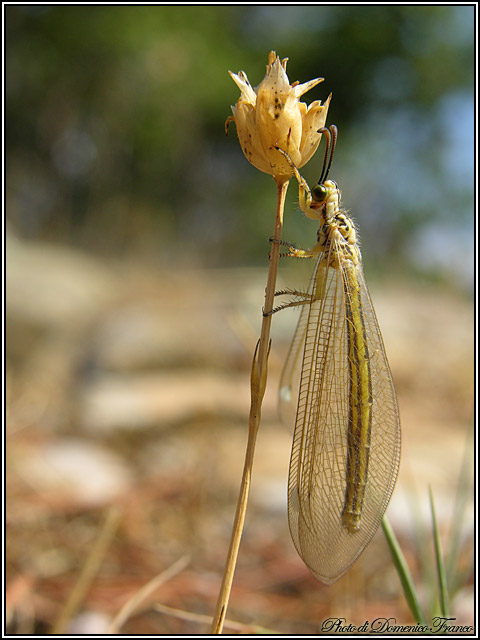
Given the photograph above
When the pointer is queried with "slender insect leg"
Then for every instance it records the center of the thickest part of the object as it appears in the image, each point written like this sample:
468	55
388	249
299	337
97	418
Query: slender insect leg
304	193
305	298
294	252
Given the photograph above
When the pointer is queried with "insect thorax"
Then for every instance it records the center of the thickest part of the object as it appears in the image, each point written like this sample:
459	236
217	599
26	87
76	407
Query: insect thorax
338	238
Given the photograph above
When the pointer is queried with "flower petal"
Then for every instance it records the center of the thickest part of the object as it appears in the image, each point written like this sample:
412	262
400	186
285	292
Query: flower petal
276	78
247	93
244	115
279	123
314	120
300	89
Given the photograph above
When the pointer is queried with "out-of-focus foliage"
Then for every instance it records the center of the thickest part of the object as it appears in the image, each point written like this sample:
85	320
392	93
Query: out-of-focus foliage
115	142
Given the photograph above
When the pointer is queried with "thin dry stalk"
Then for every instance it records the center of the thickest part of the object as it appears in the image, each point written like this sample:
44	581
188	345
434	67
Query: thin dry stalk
204	619
258	383
89	570
142	594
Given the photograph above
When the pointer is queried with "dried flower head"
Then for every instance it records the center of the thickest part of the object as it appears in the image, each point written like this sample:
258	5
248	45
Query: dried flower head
272	116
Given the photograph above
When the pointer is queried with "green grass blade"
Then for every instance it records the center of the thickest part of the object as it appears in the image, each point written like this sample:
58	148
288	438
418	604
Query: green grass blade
464	491
424	550
404	574
441	573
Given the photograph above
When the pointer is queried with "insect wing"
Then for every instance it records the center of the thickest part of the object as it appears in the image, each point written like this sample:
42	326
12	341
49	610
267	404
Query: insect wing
290	378
318	465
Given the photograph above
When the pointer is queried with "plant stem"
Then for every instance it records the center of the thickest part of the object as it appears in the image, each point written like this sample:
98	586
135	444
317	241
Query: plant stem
89	570
258	383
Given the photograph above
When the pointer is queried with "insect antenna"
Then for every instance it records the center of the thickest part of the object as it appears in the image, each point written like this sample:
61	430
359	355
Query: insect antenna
331	136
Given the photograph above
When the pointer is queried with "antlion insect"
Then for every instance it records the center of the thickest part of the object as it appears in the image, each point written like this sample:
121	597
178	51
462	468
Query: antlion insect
346	445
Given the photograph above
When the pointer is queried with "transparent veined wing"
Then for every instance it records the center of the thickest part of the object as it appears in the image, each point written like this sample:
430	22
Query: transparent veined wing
320	476
290	378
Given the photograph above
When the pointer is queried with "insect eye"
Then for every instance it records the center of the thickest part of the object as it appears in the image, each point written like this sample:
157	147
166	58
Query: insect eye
319	192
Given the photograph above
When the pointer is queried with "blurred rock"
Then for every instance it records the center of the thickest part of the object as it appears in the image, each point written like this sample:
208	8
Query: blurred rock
74	472
90	623
51	286
138	401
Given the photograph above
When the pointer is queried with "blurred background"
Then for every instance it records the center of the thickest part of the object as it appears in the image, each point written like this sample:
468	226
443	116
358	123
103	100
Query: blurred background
137	253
